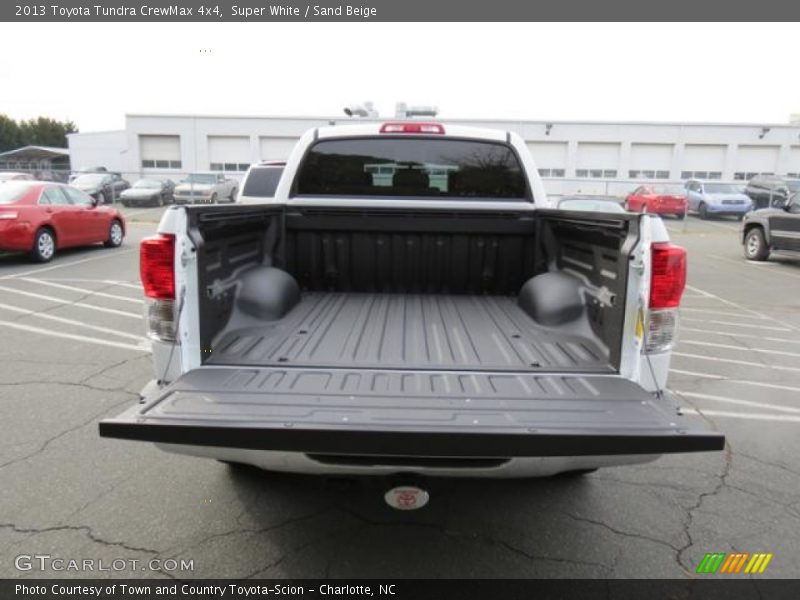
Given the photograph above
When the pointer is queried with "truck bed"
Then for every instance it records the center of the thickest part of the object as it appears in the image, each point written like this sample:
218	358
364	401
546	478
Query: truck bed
405	331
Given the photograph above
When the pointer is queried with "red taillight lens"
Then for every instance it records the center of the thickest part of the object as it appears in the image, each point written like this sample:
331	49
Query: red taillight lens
412	128
156	266
668	275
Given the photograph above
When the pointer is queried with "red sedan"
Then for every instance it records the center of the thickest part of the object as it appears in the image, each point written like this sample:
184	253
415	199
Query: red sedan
658	199
41	217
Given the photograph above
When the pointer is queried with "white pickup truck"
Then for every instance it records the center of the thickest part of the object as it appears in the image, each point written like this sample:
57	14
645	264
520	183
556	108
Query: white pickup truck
409	302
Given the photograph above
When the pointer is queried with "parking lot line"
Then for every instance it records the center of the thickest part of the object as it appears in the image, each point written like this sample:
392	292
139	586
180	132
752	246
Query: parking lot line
68	264
774	386
66	302
696	374
737	401
128	284
73	336
756	263
82	290
741	348
720	312
745	415
735	362
74	322
731	324
741	335
723	226
739	306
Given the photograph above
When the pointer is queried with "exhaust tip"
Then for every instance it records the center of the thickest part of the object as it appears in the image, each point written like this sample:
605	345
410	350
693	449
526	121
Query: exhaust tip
406	497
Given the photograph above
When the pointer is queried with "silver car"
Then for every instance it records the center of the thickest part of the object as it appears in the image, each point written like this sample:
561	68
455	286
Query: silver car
715	198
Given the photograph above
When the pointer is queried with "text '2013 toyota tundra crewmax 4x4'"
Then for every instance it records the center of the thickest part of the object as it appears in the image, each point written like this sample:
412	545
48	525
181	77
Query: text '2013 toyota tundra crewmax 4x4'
409	302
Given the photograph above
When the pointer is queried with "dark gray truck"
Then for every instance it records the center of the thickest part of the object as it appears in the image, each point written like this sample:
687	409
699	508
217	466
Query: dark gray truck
409	302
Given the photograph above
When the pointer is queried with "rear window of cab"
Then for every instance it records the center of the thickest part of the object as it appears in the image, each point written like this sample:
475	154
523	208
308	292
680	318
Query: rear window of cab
416	167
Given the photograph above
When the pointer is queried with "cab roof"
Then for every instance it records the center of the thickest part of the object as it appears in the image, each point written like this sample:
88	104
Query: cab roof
451	131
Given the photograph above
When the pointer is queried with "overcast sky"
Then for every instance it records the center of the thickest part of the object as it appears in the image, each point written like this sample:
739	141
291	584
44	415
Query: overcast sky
95	73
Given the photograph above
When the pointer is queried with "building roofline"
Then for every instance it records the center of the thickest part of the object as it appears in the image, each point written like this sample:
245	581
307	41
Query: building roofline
51	149
97	132
343	118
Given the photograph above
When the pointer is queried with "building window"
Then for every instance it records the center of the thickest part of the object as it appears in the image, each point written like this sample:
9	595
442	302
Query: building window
596	173
229	167
748	175
701	174
161	164
551	172
648	174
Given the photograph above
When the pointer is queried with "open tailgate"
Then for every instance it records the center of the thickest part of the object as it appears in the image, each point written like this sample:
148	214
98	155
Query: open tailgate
412	413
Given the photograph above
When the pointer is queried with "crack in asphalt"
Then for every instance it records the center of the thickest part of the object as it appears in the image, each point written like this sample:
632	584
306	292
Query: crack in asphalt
722	477
621	532
80	384
64	432
102	494
81	528
720	485
775	465
644	484
473	536
85	529
300	548
251	530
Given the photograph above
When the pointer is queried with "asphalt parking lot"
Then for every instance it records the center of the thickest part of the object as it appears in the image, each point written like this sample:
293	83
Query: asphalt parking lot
74	352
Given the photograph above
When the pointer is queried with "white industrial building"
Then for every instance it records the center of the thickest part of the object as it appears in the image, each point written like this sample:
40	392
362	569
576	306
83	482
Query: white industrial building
586	156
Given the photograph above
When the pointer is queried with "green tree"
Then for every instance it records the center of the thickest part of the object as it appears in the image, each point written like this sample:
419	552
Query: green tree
42	131
10	136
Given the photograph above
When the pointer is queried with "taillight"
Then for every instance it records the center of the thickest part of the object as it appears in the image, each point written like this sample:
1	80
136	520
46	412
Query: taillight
667	281
668	275
157	271
157	266
412	128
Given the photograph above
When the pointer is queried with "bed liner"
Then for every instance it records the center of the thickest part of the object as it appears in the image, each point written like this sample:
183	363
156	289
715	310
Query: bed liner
408	331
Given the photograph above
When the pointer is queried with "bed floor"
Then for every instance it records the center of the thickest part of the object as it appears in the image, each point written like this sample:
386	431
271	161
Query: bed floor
403	331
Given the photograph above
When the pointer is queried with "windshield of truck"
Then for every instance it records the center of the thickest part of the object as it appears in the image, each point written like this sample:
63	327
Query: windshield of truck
411	167
201	178
262	182
90	180
669	190
721	188
147	183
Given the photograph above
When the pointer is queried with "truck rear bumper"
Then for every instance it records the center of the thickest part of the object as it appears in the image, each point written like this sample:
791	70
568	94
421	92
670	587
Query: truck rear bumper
455	414
298	462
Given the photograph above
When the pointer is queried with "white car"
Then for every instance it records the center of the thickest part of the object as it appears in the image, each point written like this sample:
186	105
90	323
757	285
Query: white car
206	188
410	302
